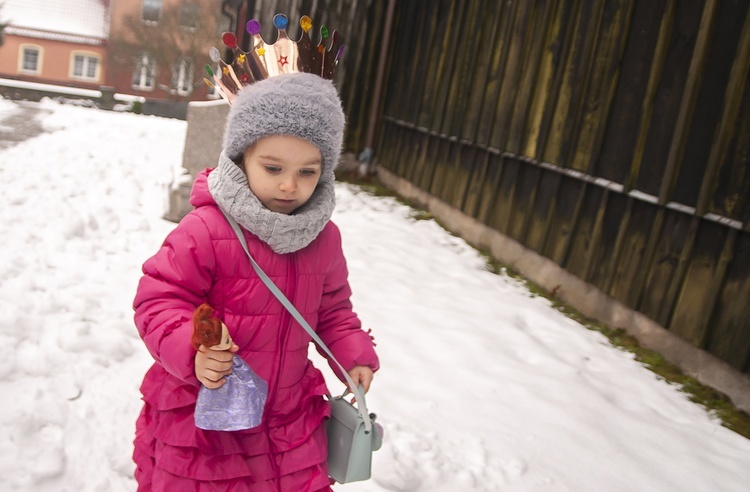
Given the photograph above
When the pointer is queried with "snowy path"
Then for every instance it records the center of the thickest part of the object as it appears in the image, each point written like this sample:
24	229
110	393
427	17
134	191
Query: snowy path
484	386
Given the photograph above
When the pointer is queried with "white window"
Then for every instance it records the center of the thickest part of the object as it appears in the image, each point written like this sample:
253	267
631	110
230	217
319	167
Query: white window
85	66
145	73
182	80
151	11
30	59
189	16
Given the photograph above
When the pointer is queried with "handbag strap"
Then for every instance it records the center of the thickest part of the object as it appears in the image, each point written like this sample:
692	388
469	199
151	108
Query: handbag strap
357	390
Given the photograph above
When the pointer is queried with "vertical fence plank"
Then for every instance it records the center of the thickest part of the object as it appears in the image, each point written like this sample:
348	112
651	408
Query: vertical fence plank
412	145
728	339
730	197
704	275
652	86
572	85
509	84
586	232
478	178
402	63
676	280
420	164
563	229
454	118
360	64
609	266
525	195
496	73
503	203
468	166
457	175
704	325
615	216
415	68
449	190
632	259
556	38
545	211
687	104
441	160
483	75
672	245
538	20
436	60
431	153
728	120
489	187
448	59
631	103
384	146
701	132
401	147
682	27
464	69
603	77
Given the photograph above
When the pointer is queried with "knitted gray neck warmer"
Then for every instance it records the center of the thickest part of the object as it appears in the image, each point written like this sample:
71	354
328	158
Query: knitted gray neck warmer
283	233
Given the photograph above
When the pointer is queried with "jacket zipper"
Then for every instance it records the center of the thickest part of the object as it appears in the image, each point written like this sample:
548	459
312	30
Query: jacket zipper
284	329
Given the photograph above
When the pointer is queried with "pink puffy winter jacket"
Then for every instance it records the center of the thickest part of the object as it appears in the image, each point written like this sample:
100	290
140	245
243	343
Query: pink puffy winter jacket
202	261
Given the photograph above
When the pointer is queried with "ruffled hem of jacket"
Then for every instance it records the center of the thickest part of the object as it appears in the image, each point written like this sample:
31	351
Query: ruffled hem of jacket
154	479
282	444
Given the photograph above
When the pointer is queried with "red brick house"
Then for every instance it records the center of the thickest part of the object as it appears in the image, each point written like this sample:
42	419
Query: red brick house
151	48
158	48
61	43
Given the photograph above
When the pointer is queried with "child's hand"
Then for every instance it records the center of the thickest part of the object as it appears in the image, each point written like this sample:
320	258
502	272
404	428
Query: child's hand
212	365
362	375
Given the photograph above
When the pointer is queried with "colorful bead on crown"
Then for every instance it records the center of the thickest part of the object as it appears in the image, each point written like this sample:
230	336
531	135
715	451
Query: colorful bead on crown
266	60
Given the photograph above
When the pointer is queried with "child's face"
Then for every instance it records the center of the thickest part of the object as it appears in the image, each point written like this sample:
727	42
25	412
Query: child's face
282	171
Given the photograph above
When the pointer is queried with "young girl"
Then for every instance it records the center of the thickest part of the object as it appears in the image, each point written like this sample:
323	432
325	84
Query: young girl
275	178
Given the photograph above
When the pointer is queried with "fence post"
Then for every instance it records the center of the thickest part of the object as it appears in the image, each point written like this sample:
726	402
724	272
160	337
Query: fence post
685	116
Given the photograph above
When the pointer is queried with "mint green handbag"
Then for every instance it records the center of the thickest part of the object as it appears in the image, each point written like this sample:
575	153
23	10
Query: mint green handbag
350	443
351	430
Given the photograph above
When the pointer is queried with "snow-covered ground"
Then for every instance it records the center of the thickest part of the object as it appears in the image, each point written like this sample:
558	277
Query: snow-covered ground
483	385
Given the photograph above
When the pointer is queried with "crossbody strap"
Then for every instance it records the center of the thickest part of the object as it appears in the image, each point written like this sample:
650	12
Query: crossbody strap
357	390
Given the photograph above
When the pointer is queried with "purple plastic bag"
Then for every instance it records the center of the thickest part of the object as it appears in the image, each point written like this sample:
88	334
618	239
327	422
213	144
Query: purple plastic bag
237	405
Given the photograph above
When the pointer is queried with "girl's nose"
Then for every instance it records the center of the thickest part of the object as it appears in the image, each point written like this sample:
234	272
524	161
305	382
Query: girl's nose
288	184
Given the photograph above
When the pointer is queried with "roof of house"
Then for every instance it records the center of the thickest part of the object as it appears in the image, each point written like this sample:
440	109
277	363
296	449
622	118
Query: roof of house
78	19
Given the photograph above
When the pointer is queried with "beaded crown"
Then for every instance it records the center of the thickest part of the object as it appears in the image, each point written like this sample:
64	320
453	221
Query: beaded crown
265	60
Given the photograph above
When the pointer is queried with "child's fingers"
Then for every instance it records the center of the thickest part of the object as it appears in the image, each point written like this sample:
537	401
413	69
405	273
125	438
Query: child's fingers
212	366
220	355
212	378
210	384
362	375
219	367
366	379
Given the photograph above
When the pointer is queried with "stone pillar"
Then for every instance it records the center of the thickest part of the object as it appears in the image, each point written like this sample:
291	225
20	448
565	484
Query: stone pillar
205	130
107	101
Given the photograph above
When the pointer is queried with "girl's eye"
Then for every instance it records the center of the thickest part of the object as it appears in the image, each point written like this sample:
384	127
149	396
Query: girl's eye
308	172
272	169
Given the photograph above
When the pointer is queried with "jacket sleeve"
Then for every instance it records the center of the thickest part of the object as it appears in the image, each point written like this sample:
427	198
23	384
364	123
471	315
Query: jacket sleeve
338	325
175	281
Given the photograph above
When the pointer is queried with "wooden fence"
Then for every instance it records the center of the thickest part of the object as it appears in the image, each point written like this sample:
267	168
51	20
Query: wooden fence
611	136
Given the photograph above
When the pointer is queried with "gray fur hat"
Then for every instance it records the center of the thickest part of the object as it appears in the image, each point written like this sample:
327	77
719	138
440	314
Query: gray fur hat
298	104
